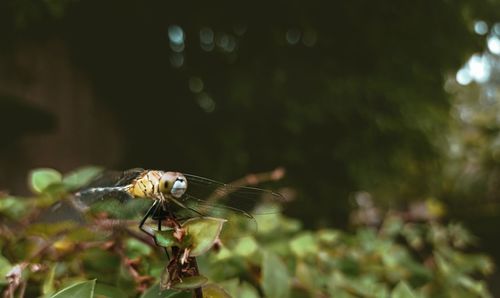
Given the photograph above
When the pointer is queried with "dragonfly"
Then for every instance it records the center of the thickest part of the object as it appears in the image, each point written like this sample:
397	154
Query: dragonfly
159	194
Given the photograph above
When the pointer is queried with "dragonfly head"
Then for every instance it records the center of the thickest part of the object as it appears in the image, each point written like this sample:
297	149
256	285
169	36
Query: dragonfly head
173	183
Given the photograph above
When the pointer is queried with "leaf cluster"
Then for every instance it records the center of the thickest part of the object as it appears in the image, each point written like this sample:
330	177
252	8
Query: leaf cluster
399	258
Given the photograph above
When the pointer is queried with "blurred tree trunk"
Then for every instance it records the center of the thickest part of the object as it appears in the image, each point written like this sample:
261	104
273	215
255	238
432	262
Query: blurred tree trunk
42	75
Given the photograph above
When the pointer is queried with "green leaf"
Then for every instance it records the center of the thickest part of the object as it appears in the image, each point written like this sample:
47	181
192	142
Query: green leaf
234	287
359	286
191	282
275	277
402	290
5	268
80	177
48	284
479	288
124	279
101	261
392	226
444	266
155	292
214	291
166	238
202	233
136	248
247	291
246	246
308	276
328	236
268	223
223	254
42	178
51	229
304	245
230	286
83	289
13	207
103	290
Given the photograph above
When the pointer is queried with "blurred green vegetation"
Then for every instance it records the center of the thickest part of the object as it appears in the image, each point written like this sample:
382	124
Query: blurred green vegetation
409	254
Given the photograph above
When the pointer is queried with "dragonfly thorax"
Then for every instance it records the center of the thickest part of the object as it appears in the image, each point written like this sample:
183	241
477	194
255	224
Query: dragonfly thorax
159	185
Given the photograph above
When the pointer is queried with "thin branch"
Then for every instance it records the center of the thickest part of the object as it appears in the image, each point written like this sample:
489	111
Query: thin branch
249	180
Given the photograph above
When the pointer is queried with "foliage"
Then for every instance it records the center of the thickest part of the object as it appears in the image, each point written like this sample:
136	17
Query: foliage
398	258
470	167
473	141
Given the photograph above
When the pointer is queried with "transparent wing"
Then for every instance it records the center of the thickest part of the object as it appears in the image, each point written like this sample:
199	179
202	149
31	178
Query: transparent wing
107	185
108	203
116	208
105	197
242	198
128	176
238	222
95	222
237	204
113	178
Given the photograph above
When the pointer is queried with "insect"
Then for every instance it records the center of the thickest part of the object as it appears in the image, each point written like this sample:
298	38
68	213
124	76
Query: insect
158	194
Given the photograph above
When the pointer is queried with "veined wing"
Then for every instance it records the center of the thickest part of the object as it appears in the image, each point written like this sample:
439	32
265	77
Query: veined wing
85	199
236	204
113	178
128	176
107	194
109	184
243	199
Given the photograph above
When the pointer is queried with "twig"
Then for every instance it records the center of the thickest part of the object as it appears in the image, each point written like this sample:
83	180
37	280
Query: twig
198	292
248	180
255	179
178	256
23	289
129	265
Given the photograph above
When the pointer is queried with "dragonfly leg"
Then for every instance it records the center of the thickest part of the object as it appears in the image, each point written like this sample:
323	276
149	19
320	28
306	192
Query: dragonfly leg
186	207
150	212
166	250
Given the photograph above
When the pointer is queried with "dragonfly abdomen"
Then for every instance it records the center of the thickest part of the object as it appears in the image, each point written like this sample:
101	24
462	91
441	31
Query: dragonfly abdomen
93	194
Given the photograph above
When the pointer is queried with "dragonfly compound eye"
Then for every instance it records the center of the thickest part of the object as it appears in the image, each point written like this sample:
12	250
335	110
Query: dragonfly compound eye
173	183
179	187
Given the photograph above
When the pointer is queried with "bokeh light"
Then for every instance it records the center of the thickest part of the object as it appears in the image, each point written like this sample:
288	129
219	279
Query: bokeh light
206	102
195	84
480	27
292	36
207	37
175	34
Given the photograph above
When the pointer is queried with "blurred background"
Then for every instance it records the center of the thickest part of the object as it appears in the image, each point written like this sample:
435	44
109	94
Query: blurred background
394	101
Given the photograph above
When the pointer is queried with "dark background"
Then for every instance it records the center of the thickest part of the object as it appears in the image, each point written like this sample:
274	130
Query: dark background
347	96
